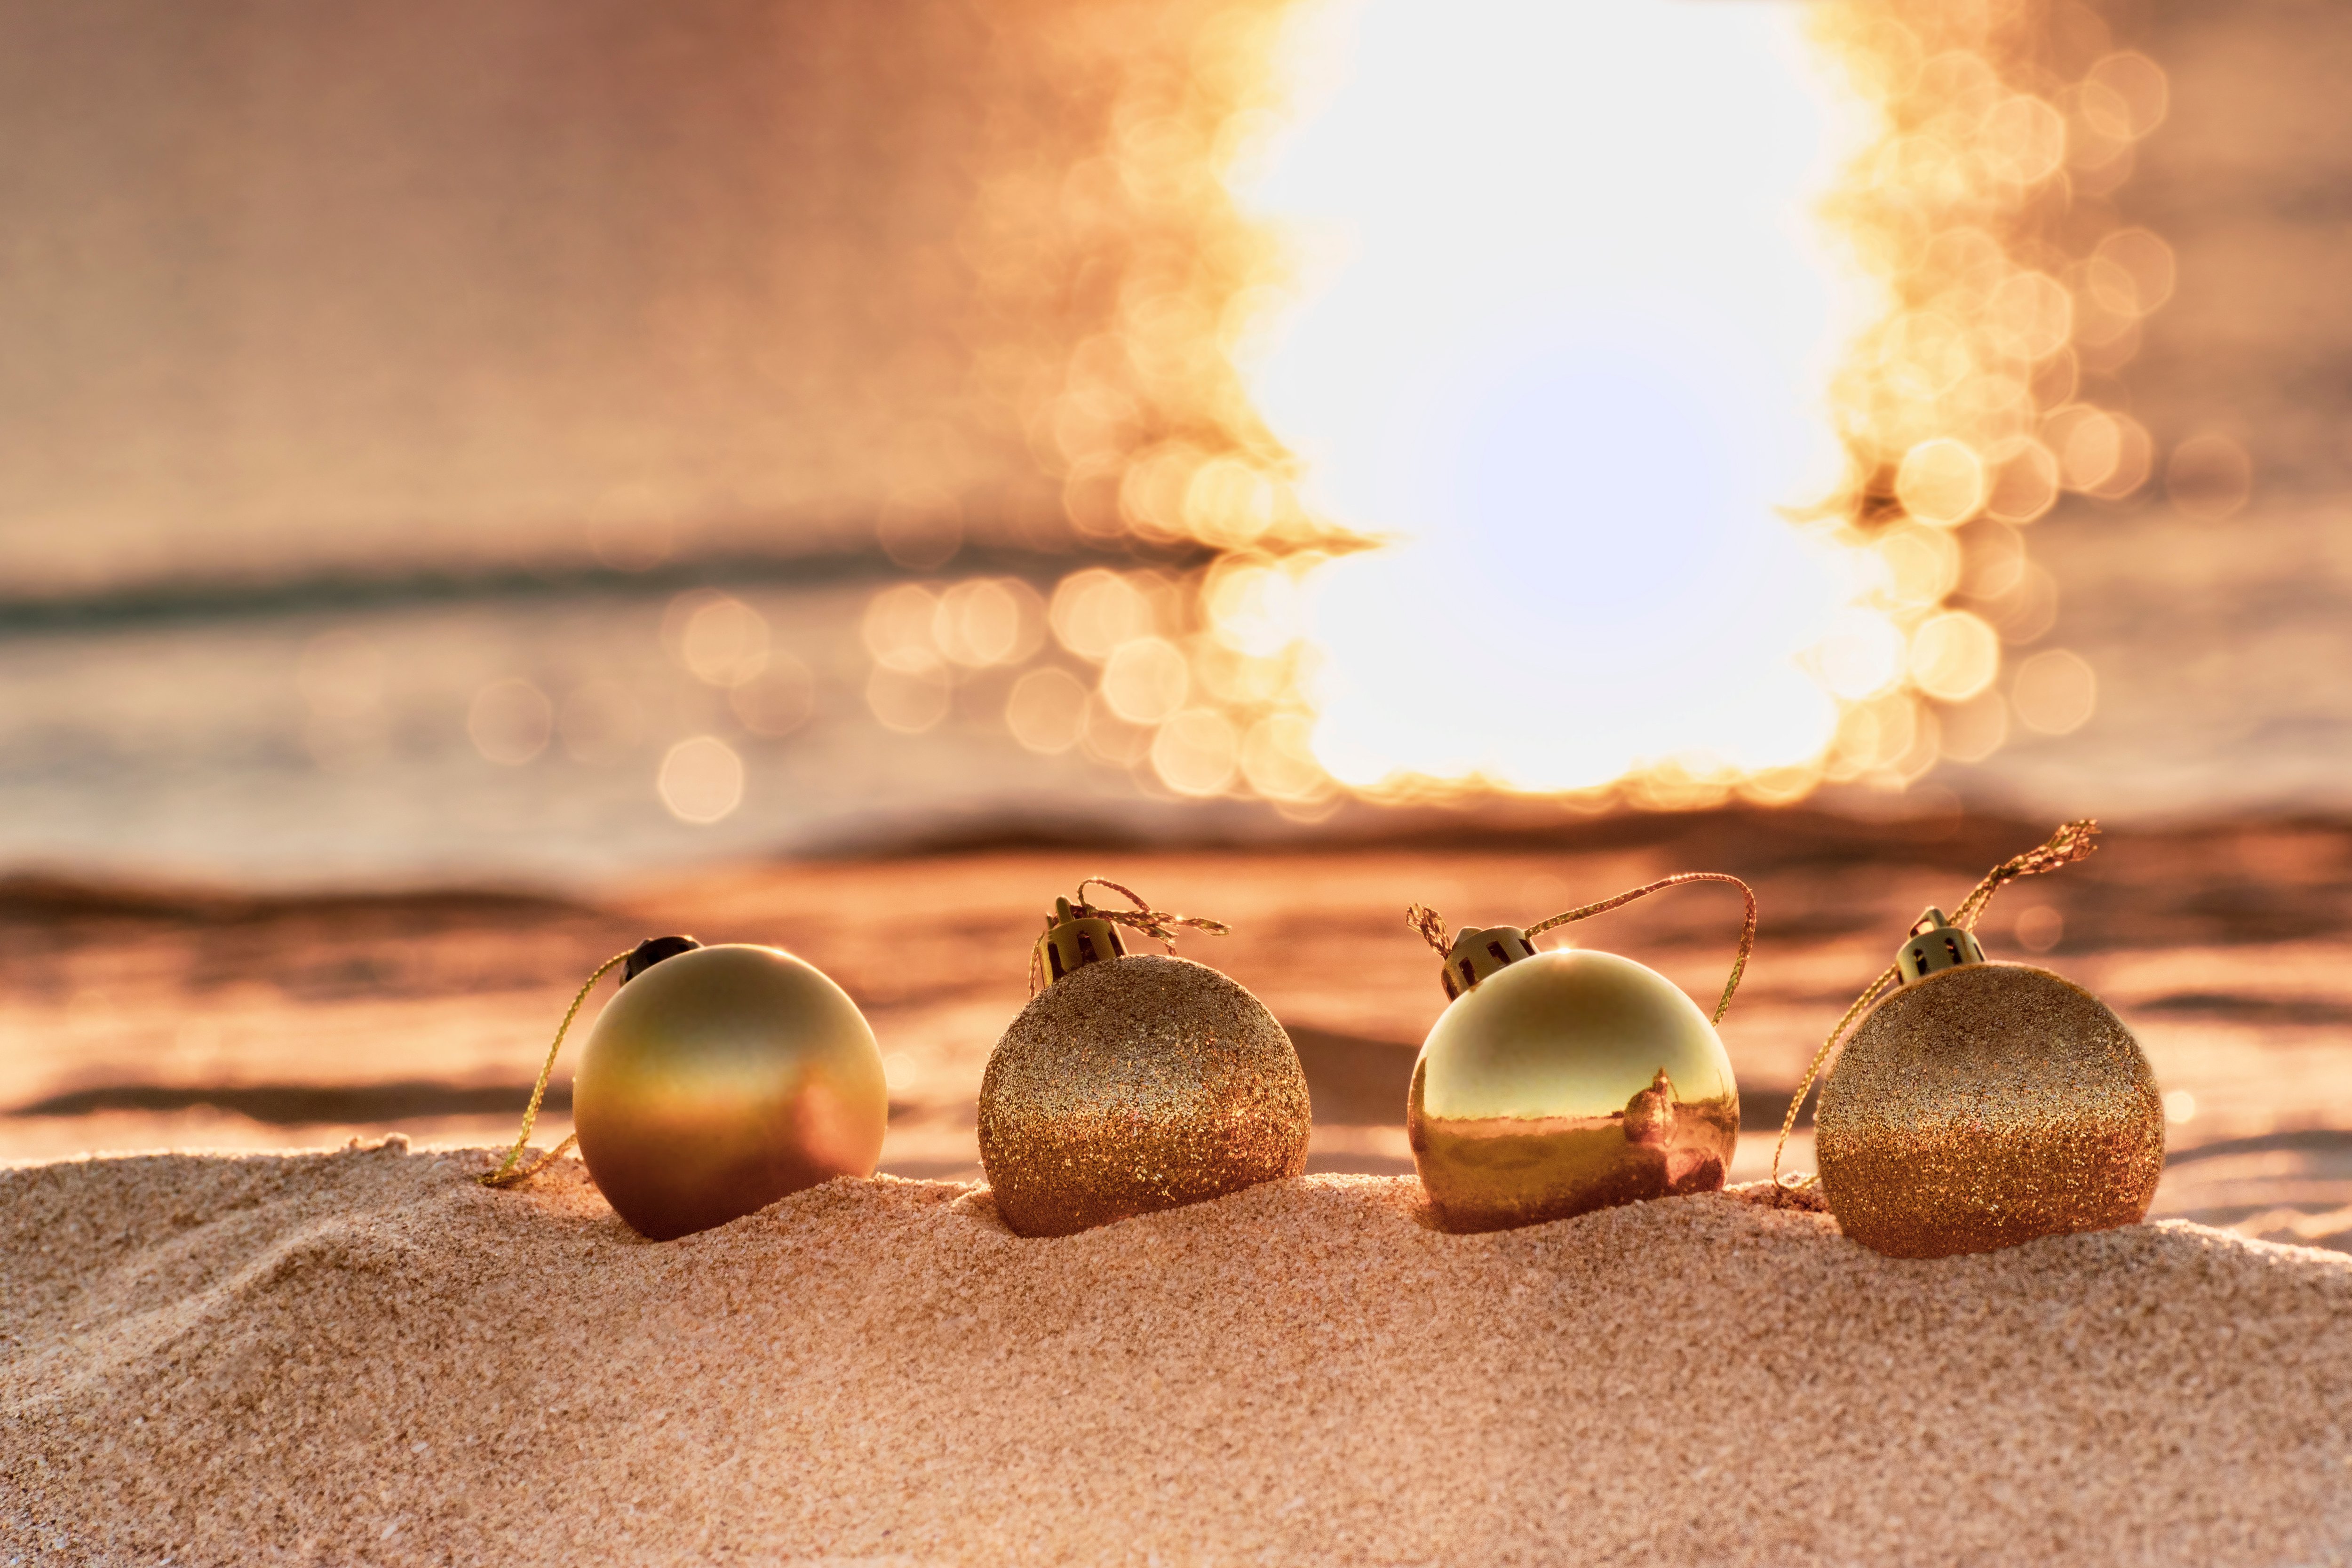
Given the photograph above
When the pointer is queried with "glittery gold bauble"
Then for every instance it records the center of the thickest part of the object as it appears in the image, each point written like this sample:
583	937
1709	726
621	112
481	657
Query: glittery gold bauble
1564	1082
1983	1105
1133	1084
718	1081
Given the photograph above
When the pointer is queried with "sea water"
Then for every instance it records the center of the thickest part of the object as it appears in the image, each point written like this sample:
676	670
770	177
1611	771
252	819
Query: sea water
511	734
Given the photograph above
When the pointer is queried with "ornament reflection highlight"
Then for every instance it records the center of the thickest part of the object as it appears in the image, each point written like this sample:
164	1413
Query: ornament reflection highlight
1566	1082
720	1080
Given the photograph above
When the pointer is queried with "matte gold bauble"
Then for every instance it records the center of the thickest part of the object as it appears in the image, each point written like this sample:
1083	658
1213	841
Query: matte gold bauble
1135	1083
720	1078
1564	1082
1981	1105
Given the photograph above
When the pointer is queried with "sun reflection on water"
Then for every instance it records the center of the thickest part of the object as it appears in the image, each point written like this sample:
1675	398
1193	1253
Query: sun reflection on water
1568	354
1694	374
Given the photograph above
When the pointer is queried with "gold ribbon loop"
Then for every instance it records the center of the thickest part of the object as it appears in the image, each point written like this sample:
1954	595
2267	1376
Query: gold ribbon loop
506	1175
1432	925
1161	925
2073	841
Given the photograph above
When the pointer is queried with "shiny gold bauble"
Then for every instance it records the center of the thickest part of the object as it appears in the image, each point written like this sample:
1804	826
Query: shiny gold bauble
1566	1082
1135	1084
718	1081
1985	1105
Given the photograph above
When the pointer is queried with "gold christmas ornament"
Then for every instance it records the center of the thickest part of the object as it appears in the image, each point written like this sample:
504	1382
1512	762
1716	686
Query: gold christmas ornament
1984	1104
716	1080
1557	1083
1132	1083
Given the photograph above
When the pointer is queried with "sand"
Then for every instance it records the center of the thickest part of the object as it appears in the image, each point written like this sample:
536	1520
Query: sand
362	1357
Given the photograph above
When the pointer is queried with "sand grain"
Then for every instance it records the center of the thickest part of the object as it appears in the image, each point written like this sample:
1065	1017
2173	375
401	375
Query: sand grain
362	1357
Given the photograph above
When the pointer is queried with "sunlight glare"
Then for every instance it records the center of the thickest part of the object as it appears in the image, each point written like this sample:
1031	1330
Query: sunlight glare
1565	342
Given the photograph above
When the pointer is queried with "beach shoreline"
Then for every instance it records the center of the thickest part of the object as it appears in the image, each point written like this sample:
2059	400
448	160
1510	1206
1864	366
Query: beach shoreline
224	1019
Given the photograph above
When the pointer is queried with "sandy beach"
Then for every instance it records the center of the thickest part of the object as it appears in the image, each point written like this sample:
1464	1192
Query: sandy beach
273	900
483	486
224	1354
364	1357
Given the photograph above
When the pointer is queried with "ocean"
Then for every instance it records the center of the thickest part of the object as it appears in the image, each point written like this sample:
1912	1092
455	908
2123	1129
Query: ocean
518	727
512	731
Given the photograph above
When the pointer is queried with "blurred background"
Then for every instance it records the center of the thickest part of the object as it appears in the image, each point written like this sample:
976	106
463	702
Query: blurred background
478	483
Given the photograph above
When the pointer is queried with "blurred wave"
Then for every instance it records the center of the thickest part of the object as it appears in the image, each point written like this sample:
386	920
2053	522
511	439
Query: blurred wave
195	598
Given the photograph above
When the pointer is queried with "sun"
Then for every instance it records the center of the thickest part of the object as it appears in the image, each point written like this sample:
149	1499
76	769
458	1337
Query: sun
1568	328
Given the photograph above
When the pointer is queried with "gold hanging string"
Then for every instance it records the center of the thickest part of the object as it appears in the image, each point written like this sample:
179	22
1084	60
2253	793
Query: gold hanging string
1747	923
1789	1122
1160	924
506	1175
2073	841
1432	925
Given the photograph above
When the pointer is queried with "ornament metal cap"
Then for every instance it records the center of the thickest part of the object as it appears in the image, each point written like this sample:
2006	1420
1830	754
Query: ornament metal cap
652	951
1073	940
1474	954
1936	943
1079	934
